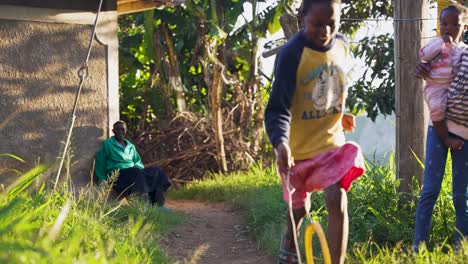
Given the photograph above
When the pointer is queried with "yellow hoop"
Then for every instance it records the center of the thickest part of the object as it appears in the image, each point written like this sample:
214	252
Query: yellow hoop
308	236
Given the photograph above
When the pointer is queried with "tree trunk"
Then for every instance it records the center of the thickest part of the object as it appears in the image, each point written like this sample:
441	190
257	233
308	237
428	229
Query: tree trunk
289	24
148	45
410	108
175	79
217	88
216	91
158	50
256	109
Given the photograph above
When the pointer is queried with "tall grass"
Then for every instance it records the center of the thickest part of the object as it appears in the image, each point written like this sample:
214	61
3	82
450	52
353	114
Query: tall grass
41	225
381	226
47	226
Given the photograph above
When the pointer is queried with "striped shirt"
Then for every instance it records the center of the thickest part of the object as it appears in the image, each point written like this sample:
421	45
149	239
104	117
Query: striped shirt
457	101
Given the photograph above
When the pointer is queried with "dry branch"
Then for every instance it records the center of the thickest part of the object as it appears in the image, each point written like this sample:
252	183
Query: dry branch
186	149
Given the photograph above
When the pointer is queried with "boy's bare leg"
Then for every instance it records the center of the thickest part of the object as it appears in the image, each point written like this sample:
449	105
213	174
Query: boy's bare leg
298	217
299	213
337	206
449	141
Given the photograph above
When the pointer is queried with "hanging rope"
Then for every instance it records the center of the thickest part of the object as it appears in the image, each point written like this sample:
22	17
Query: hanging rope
291	190
83	74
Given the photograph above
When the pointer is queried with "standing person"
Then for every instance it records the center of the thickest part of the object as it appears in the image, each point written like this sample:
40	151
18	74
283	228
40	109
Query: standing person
444	54
451	25
119	154
304	121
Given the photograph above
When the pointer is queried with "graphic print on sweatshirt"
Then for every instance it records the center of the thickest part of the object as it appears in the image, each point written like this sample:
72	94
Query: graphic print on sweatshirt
327	90
323	90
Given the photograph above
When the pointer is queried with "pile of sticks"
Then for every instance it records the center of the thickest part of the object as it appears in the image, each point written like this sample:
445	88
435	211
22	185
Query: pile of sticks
186	149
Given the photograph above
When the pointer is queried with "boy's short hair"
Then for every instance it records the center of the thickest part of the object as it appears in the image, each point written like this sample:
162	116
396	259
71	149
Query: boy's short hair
306	4
120	122
462	10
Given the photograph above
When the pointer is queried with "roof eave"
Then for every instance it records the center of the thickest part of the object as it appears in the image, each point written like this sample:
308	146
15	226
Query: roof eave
132	6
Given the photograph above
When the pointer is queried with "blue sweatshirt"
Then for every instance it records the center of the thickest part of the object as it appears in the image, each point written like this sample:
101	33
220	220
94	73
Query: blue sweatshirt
307	100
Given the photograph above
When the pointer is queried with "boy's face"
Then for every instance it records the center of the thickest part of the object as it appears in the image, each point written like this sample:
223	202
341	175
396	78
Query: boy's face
119	131
321	23
451	23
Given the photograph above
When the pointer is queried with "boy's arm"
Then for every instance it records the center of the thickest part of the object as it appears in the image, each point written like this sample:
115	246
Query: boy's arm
100	163
277	112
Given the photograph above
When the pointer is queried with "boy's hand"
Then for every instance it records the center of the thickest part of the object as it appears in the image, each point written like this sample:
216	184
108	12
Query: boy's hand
285	159
422	70
348	122
447	38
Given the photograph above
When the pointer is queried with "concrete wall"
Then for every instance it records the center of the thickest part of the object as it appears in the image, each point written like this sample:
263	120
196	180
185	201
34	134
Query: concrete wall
41	51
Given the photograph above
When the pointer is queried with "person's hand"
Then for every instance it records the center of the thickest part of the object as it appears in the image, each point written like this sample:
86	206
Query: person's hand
422	70
447	38
285	159
453	143
348	122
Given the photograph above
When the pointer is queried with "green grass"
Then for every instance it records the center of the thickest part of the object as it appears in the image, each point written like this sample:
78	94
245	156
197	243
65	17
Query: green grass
381	226
46	226
258	193
40	225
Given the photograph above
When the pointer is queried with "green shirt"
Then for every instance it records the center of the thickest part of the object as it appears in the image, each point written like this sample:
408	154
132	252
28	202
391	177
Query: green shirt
112	156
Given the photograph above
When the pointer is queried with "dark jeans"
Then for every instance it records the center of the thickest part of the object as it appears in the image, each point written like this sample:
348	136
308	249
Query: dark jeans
151	180
436	157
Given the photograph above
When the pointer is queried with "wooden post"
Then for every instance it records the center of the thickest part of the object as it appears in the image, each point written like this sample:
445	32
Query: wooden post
410	107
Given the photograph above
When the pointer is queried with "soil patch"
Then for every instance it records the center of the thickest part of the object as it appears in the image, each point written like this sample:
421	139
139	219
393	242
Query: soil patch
215	233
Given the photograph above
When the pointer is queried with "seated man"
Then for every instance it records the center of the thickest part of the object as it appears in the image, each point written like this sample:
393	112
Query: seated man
119	154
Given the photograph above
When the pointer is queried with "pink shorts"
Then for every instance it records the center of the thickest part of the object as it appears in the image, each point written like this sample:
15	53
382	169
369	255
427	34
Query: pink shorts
343	165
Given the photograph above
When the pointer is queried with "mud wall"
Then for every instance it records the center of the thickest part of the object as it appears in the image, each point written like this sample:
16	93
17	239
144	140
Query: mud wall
41	51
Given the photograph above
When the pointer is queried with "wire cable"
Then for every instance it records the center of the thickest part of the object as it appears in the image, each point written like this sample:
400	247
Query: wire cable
83	74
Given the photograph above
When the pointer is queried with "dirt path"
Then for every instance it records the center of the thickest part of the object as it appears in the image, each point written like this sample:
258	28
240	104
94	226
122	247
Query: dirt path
215	233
